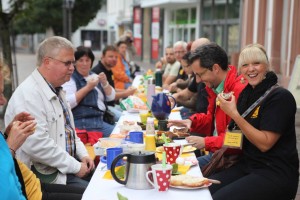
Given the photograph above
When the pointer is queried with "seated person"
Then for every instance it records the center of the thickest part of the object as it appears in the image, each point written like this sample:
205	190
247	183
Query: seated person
108	61
17	132
87	94
184	76
194	99
121	71
210	65
172	68
161	64
14	184
269	165
53	152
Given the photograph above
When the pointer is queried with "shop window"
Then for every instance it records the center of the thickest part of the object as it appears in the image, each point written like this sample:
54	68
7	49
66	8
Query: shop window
220	23
182	25
182	16
193	16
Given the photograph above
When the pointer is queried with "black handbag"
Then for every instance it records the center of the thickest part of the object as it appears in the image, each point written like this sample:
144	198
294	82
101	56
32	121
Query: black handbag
109	117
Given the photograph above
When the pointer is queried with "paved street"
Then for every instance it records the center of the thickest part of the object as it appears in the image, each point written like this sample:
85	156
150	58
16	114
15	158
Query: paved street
26	64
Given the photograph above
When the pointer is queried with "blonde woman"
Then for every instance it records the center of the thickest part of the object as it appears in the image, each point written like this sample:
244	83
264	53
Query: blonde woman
269	165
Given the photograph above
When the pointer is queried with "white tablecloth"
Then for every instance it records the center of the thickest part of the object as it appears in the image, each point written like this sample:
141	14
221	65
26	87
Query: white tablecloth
103	189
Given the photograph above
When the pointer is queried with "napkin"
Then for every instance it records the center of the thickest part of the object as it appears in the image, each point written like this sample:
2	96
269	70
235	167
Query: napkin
183	169
120	171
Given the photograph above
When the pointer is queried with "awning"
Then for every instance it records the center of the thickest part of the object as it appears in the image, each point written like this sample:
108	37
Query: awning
164	3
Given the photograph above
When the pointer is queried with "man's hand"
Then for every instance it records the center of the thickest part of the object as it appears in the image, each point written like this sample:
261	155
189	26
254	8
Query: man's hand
83	170
172	87
19	132
199	141
89	162
181	123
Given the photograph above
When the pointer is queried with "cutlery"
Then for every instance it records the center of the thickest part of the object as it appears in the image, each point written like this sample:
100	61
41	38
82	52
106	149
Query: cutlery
103	167
214	181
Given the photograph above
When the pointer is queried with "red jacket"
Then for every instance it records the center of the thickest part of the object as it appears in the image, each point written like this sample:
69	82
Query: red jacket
204	122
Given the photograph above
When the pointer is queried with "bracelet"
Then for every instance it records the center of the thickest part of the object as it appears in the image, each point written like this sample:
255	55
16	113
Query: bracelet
106	85
14	152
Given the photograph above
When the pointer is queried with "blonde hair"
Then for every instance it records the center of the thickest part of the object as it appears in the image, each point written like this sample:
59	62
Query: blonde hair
253	53
51	47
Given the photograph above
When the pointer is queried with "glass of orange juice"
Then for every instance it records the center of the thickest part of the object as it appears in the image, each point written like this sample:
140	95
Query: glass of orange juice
144	115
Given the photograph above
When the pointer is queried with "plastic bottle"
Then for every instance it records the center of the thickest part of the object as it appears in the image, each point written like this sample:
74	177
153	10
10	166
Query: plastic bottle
150	91
158	77
150	135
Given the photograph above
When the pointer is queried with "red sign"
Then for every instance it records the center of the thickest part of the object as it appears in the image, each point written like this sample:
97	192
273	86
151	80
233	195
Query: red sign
155	33
137	30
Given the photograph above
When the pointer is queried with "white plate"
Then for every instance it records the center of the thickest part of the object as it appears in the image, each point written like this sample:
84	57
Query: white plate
133	111
190	188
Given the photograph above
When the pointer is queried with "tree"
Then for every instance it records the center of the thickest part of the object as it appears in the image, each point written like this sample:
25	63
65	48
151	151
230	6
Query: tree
36	16
42	14
6	18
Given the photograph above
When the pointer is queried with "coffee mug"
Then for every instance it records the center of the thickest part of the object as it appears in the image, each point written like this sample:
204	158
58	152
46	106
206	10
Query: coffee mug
135	137
163	125
111	153
161	177
173	151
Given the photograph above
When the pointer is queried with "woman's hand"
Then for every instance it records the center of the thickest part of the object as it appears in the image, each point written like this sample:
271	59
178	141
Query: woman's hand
22	117
92	83
228	106
181	123
19	132
103	79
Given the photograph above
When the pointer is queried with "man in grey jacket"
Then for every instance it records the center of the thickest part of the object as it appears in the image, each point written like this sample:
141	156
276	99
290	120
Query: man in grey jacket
53	152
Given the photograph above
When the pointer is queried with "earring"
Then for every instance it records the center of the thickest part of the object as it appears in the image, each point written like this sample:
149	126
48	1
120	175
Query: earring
242	80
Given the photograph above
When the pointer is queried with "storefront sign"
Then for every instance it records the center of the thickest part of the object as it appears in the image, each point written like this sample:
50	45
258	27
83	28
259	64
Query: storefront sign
137	30
155	33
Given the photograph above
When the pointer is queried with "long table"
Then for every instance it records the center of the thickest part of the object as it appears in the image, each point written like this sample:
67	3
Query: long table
103	189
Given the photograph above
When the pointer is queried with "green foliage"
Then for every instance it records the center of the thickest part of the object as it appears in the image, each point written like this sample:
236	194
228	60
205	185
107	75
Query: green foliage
39	15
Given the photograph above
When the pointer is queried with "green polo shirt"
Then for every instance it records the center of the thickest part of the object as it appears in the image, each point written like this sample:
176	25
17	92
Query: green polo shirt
218	90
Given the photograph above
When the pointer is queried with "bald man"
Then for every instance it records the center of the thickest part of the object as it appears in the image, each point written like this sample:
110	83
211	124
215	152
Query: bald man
188	96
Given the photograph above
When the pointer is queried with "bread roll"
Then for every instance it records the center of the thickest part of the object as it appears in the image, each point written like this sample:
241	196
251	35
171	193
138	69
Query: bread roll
177	180
194	182
188	181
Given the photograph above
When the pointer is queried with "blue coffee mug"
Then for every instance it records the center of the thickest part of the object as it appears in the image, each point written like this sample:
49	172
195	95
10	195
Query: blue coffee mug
111	153
135	137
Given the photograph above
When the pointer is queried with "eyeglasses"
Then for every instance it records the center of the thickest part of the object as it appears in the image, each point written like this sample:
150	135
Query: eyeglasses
67	63
179	52
202	73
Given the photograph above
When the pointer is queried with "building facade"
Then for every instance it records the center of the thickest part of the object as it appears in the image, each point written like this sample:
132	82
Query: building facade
230	23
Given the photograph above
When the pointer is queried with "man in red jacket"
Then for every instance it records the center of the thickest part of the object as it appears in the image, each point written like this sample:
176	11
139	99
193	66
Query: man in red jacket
210	65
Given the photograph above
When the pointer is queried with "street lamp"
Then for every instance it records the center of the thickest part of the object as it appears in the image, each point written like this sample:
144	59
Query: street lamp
67	18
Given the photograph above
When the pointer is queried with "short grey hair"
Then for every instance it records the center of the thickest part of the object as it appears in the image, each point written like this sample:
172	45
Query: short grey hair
183	44
51	47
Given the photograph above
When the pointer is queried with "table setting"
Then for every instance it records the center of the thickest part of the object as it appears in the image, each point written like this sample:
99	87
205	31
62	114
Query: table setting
147	162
